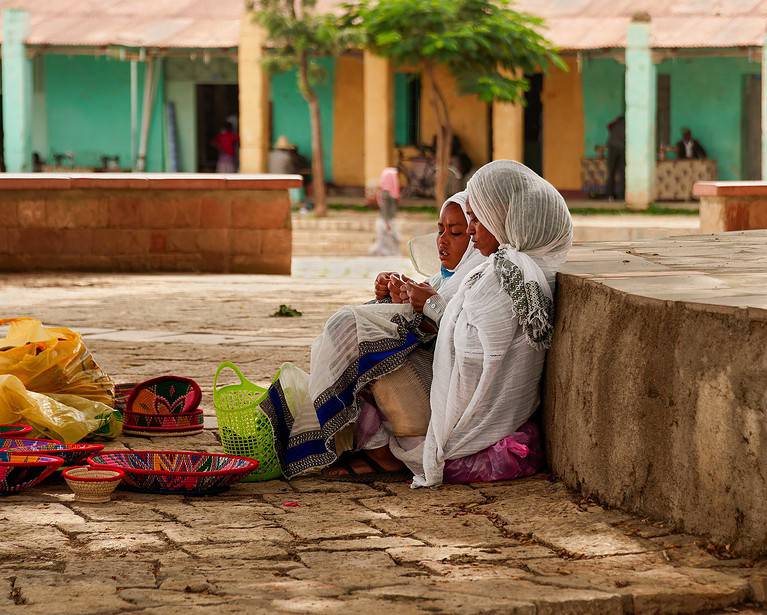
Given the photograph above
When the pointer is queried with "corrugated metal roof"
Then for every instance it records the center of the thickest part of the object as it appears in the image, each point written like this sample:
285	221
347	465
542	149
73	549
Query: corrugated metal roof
133	23
602	24
570	24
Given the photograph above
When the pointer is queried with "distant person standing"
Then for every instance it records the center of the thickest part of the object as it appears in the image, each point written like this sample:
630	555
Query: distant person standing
387	238
616	155
689	148
226	142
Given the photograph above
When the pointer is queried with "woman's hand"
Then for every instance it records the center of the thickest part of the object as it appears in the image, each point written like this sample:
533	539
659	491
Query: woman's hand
417	294
396	283
382	285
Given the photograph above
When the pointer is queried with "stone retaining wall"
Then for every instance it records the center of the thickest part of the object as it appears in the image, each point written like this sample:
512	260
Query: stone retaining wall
660	406
146	223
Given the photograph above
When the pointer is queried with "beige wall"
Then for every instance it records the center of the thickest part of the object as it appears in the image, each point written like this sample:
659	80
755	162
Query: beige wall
254	98
468	116
563	131
378	120
349	122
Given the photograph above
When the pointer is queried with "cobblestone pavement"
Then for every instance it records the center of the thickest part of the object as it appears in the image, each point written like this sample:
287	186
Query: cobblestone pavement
313	546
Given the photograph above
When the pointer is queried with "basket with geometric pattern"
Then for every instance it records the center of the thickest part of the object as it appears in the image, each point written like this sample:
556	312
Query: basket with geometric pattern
184	472
244	428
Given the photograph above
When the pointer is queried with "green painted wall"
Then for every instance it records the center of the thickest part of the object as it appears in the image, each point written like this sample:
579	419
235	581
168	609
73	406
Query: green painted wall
401	109
604	85
290	113
88	110
707	97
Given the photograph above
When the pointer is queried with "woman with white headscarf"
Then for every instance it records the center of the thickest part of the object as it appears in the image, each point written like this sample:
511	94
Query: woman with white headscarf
314	415
493	337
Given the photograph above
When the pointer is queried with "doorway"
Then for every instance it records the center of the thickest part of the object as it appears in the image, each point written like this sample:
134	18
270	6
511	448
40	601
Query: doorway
533	152
216	104
751	130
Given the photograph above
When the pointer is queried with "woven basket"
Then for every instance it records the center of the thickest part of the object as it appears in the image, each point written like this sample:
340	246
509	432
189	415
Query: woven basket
93	486
244	428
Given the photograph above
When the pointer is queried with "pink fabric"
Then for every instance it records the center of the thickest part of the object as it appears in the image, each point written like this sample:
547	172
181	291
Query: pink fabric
390	181
369	421
515	456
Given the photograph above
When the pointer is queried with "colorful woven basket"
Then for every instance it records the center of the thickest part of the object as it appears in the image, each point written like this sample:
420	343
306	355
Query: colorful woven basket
19	470
92	485
165	395
190	420
72	454
14	431
122	393
189	473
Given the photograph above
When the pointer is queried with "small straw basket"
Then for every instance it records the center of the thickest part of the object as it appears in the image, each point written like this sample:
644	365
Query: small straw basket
91	485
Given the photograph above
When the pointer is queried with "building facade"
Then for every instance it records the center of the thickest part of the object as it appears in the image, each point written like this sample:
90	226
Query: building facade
74	95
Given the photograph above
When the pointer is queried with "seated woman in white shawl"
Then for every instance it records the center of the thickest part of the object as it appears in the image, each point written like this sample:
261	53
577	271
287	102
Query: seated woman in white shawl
493	337
314	415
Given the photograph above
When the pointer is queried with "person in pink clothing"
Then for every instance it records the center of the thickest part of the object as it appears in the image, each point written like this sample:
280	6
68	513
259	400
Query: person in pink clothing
387	197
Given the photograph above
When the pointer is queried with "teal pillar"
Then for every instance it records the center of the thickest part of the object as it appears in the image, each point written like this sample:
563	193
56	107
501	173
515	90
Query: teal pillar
641	88
764	110
17	92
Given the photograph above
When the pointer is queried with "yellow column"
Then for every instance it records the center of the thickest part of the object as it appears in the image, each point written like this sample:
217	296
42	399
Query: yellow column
379	118
254	98
563	127
508	131
348	117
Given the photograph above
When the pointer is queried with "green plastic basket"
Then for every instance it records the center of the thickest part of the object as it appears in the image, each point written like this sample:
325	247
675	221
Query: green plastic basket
244	428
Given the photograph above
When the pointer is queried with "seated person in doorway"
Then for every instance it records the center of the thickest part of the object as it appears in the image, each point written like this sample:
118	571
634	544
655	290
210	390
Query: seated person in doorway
315	416
689	148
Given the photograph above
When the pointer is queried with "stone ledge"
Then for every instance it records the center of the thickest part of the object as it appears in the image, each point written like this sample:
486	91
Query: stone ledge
142	181
655	385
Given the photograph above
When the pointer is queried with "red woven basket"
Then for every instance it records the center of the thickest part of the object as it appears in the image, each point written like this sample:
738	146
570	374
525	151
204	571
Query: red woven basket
185	472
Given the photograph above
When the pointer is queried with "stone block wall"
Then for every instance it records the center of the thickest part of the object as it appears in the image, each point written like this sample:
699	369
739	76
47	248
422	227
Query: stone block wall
658	407
172	227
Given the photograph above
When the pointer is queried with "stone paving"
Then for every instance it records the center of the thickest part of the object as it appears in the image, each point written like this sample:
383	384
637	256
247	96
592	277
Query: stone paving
313	546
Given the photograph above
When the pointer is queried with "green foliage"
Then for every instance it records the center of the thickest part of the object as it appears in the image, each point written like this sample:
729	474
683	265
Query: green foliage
484	43
285	311
296	31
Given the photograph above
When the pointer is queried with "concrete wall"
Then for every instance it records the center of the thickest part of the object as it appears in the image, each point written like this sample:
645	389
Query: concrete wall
349	122
290	112
719	214
563	126
94	228
707	97
658	407
88	110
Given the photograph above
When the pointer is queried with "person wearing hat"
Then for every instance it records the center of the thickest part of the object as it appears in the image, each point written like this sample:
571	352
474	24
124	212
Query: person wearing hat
284	159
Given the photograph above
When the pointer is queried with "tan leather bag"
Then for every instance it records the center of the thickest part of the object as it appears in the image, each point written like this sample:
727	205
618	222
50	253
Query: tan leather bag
403	395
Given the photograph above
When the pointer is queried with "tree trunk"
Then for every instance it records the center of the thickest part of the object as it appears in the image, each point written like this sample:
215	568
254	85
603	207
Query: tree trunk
318	169
444	137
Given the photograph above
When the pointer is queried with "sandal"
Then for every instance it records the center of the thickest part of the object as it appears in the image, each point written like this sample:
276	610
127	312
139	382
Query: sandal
377	473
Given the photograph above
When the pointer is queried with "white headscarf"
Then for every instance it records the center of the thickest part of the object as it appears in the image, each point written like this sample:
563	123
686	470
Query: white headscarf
532	223
448	286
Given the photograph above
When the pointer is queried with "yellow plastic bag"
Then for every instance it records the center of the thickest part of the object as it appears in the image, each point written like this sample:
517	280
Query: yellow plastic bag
63	417
52	360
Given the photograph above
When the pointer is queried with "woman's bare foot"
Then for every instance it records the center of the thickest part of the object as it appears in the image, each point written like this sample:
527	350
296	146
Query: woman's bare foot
365	462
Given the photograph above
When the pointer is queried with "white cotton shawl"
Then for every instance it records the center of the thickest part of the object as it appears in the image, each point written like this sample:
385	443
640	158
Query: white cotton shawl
492	339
